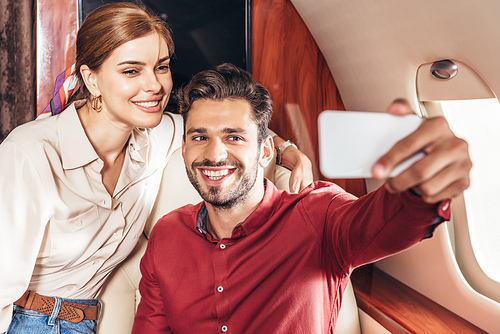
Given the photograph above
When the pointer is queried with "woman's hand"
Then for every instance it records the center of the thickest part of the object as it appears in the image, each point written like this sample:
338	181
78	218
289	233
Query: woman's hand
298	163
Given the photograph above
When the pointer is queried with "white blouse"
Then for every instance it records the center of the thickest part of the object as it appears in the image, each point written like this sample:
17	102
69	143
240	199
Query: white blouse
61	232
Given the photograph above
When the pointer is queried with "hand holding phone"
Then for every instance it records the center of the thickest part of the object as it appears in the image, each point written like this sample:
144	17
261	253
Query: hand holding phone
351	142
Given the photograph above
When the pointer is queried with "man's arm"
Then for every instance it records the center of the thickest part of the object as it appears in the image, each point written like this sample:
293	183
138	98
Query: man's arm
379	224
150	316
410	205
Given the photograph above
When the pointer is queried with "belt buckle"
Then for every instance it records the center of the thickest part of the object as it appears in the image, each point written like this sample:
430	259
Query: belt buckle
70	313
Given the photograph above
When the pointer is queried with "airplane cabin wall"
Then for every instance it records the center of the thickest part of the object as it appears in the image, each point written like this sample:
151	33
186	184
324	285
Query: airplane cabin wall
17	54
56	29
287	61
374	50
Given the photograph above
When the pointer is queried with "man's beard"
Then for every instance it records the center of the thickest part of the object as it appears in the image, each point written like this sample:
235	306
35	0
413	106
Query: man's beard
215	195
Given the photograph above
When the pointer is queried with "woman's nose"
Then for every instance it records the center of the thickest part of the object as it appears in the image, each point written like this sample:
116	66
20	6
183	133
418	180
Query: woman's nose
152	84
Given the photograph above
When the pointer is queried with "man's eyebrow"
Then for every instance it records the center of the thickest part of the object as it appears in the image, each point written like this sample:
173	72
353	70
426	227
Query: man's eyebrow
234	130
196	130
225	130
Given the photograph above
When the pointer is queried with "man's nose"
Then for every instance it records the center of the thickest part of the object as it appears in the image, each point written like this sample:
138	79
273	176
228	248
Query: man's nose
216	151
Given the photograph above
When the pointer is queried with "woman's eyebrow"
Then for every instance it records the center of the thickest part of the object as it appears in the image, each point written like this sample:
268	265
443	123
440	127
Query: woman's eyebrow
132	62
137	62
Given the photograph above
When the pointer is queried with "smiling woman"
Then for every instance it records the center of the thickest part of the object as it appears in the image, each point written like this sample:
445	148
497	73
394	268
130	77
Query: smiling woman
92	172
134	83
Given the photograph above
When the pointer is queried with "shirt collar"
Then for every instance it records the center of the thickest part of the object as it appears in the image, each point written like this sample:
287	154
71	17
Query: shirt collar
139	144
265	209
258	217
76	150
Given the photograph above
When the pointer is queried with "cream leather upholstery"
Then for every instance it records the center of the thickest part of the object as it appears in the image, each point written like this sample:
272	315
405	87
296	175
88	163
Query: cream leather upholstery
120	295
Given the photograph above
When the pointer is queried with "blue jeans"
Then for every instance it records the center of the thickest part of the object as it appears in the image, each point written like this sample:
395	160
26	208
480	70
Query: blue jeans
32	322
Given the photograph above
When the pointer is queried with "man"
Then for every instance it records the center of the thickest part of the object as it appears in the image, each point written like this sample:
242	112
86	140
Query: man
254	259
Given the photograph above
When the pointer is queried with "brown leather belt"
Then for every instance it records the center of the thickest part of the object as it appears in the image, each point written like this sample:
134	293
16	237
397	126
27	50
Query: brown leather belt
69	311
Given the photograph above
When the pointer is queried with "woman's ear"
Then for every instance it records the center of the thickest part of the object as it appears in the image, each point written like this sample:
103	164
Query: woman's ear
266	152
90	80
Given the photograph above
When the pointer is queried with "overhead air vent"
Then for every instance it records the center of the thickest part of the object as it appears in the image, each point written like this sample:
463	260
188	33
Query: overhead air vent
444	69
434	84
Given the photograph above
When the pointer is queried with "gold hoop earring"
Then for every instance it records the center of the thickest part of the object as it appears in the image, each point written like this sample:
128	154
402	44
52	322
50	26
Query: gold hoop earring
96	103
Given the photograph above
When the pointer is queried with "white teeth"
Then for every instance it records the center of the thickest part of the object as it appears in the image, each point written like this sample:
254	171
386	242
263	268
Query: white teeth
147	104
215	174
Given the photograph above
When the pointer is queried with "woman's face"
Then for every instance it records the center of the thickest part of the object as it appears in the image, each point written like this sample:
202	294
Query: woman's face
135	82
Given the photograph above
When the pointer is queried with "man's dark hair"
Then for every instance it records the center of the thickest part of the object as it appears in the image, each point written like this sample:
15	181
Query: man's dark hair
227	81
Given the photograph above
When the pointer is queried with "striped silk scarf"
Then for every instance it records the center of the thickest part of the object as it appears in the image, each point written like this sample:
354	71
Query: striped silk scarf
66	84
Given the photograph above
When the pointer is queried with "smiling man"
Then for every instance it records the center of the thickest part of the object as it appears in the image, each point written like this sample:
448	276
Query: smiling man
228	179
253	259
222	159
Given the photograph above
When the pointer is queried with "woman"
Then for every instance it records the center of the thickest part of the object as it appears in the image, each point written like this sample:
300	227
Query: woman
77	188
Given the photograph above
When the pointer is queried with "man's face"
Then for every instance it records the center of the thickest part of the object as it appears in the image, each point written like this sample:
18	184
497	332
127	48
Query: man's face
221	151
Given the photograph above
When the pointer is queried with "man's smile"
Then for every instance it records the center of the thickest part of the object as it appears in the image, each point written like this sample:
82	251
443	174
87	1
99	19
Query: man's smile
217	174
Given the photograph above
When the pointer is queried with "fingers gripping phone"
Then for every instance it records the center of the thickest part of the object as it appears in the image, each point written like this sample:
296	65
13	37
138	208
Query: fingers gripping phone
350	142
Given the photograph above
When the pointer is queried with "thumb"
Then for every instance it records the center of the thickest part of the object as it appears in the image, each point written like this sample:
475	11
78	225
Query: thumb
400	107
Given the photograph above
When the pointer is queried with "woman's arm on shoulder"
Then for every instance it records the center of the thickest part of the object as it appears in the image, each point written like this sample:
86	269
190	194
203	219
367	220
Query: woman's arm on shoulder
300	165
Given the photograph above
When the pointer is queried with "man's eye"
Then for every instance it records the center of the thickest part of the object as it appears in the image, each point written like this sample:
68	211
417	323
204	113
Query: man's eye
235	138
199	138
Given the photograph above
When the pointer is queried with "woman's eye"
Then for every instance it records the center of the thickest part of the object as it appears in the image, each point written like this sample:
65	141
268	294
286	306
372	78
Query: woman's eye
164	68
130	72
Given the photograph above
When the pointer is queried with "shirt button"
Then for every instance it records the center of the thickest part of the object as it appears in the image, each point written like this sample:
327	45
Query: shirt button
116	235
96	262
220	288
79	223
224	328
222	246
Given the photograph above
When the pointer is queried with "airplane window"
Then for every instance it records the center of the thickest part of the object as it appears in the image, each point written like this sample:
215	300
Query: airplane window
477	122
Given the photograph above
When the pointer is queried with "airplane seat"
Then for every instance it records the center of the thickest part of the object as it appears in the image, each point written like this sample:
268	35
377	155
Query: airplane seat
120	295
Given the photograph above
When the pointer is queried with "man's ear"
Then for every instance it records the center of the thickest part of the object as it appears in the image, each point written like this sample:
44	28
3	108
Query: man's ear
266	152
90	80
184	149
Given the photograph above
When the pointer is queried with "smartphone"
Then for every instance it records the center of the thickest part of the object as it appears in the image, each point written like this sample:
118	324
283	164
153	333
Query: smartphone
350	142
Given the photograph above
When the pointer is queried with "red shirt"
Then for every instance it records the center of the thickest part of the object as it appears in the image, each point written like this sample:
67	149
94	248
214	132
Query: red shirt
283	270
